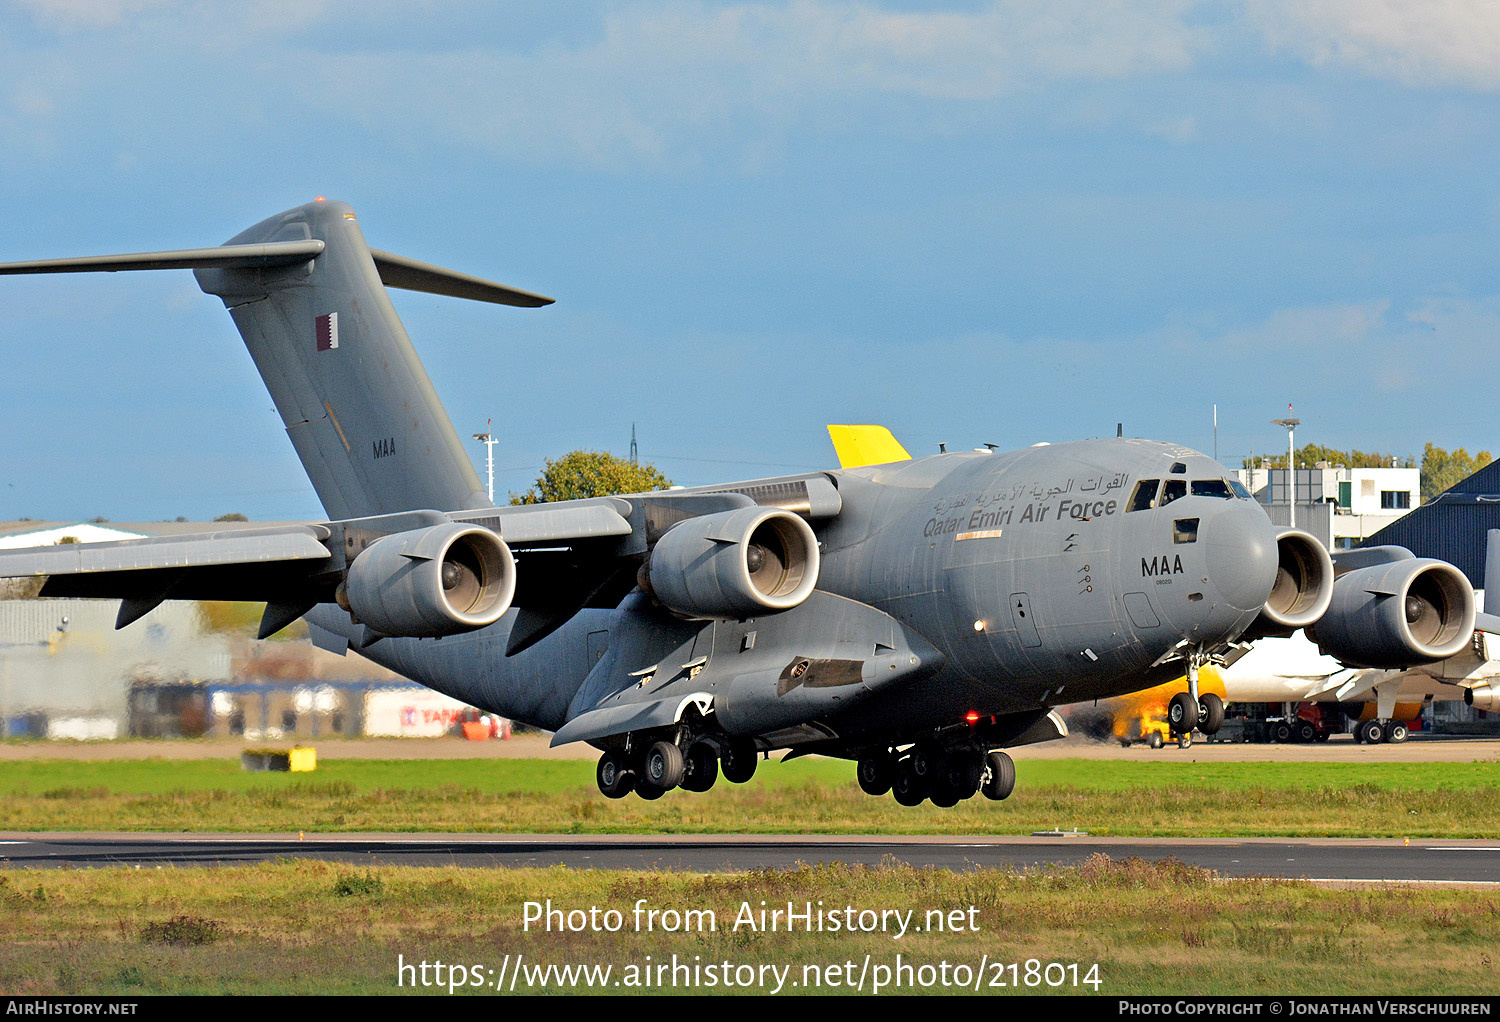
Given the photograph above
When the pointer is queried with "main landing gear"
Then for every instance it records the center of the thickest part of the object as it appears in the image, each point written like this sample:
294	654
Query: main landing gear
652	770
946	776
1373	732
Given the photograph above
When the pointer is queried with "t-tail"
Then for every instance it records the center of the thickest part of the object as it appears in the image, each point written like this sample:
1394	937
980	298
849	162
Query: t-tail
309	299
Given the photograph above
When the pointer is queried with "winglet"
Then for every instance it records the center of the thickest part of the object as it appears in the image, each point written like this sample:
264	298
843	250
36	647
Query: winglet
857	446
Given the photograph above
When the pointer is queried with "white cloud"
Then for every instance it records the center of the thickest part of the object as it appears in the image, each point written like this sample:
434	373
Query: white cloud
1433	42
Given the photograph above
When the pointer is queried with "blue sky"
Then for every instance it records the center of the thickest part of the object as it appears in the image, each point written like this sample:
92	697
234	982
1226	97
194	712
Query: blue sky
971	222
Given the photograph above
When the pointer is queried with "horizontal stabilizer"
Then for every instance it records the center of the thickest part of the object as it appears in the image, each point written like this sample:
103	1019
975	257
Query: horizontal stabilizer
858	446
411	275
273	253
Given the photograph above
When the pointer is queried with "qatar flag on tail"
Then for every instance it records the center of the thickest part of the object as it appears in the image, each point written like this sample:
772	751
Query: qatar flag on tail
328	331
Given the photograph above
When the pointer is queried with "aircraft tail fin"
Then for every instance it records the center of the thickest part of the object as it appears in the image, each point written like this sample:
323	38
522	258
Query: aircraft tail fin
858	446
309	298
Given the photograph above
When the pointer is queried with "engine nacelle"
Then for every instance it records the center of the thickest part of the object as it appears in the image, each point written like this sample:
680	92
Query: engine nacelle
1303	587
441	580
734	564
1483	696
1406	612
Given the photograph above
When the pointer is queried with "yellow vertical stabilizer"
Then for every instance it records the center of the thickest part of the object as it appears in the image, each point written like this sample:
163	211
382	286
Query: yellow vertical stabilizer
865	445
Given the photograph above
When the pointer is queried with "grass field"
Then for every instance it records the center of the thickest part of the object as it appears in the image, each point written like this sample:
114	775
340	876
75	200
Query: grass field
1134	927
558	796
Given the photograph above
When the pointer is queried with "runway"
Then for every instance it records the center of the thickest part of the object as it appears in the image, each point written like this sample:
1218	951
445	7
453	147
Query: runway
1330	860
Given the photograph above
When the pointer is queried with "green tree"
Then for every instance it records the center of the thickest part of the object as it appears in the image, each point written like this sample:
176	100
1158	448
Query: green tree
1442	469
1309	455
590	474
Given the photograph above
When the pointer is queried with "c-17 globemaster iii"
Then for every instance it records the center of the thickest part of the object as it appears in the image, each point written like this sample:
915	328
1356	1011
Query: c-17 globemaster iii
915	615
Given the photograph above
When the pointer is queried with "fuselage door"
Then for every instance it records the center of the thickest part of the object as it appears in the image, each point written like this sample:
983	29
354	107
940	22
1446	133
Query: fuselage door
1021	616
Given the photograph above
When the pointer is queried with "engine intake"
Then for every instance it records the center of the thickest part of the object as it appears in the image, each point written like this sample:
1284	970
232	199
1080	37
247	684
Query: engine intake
1411	611
436	581
734	564
1303	588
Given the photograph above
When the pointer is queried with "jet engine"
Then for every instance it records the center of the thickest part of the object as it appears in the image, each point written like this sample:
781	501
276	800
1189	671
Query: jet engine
1483	696
441	580
1397	614
1303	586
734	564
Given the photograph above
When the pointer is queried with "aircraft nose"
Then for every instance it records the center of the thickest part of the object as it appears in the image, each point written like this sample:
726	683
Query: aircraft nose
1240	551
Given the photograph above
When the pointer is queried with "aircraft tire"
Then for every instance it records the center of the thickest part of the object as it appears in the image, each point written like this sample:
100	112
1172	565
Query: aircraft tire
876	773
1306	732
648	791
665	766
943	796
1002	777
926	761
962	771
1282	732
1210	714
1395	731
908	788
1372	732
1182	713
700	767
615	780
737	760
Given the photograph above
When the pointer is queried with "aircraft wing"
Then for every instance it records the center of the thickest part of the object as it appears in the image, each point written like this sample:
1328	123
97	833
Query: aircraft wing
558	557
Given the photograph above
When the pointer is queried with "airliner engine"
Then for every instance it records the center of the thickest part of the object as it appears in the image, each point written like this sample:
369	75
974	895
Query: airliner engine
441	580
1398	614
734	564
1303	588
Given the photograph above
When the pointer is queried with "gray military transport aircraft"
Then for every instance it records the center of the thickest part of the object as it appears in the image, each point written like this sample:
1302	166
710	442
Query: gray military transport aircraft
917	616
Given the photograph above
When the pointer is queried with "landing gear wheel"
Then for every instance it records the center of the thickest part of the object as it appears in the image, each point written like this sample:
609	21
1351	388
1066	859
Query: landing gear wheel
615	780
648	791
1282	732
876	772
700	767
1372	732
1395	731
944	797
963	769
907	787
1306	732
737	759
1002	777
1210	714
1155	741
1185	741
664	767
1182	713
926	762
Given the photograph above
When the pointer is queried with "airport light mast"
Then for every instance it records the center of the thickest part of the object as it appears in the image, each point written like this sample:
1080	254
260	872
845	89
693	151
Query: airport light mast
489	456
1291	425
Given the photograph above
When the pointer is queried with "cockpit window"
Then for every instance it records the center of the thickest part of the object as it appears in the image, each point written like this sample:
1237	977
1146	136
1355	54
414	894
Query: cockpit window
1171	490
1178	468
1143	496
1185	530
1239	489
1211	488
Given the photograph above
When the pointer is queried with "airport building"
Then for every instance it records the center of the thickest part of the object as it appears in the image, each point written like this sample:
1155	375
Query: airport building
1341	506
